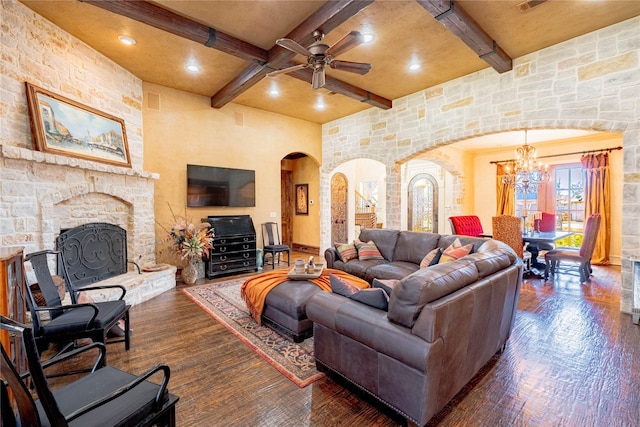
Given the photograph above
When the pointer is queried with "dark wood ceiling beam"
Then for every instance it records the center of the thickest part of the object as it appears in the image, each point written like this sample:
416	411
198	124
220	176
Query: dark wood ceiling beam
328	17
346	89
163	19
459	22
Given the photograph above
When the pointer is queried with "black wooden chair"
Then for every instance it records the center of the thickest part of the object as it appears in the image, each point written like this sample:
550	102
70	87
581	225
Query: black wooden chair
105	397
271	243
67	323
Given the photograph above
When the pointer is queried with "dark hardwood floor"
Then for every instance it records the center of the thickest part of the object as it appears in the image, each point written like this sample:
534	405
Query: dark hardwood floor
573	360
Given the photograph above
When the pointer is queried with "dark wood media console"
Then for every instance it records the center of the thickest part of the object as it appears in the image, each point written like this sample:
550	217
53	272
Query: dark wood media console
234	245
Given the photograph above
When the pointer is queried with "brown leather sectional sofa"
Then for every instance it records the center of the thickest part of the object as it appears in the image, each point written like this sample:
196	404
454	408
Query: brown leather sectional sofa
443	324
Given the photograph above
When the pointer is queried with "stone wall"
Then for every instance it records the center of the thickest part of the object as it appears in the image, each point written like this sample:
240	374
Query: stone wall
591	82
43	193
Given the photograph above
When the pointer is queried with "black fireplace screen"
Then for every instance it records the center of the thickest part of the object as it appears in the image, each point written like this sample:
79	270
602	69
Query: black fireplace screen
93	252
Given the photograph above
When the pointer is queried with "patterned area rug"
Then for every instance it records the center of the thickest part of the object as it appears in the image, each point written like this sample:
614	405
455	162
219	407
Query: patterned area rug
223	302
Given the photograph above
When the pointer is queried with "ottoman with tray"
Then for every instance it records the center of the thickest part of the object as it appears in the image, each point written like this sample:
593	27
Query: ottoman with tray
285	306
285	309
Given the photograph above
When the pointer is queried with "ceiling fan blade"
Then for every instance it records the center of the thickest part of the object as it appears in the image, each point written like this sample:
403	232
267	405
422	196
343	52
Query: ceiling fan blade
287	70
351	40
318	79
293	46
352	67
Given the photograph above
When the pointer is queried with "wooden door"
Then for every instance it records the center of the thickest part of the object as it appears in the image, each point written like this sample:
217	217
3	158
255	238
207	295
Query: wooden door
287	203
339	230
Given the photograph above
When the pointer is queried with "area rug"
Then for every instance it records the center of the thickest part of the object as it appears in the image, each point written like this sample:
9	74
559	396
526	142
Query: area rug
223	302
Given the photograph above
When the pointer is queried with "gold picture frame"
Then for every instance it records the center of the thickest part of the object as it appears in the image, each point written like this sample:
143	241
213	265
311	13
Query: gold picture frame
63	126
302	199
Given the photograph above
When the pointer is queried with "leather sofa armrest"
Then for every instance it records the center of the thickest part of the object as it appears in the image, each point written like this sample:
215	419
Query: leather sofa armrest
330	256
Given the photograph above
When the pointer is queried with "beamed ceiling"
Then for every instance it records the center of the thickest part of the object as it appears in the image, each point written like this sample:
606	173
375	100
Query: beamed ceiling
448	42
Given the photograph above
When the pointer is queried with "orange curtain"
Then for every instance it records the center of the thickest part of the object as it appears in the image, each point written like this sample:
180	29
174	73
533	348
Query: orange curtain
597	199
505	194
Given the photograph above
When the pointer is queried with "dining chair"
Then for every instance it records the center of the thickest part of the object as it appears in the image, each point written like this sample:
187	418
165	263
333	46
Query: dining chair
579	257
466	225
62	324
271	243
546	223
106	396
508	229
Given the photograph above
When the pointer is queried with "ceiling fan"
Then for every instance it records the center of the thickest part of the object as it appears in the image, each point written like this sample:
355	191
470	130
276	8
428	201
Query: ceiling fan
319	55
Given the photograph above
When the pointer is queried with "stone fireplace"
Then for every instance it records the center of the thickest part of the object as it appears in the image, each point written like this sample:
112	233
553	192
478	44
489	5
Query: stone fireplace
45	193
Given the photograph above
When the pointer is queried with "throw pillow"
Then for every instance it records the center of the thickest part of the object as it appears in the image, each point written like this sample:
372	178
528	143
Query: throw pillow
386	285
367	250
342	287
453	253
346	251
432	258
376	298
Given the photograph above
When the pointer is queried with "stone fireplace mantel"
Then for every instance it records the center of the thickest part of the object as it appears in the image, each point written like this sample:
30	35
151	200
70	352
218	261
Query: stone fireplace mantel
45	193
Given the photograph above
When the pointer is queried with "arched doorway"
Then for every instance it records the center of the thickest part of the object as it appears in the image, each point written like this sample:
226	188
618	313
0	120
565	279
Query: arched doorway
423	203
339	208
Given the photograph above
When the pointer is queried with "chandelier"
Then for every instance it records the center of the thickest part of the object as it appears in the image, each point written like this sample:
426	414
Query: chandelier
527	173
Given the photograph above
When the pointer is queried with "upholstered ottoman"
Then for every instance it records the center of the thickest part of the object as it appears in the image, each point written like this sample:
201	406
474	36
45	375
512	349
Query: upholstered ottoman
285	309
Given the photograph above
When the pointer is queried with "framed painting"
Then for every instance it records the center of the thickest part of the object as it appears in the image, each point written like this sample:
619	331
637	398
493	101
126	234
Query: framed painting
302	199
63	126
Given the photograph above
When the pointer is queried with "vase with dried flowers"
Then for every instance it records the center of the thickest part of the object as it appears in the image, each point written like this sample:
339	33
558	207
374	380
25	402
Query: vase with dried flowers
190	242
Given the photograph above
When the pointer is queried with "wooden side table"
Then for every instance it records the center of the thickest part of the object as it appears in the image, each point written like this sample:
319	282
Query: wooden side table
13	303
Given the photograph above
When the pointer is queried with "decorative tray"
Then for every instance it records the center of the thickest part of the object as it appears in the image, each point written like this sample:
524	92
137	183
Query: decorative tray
304	276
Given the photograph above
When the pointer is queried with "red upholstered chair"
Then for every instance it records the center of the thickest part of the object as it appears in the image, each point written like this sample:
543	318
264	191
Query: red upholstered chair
467	225
547	223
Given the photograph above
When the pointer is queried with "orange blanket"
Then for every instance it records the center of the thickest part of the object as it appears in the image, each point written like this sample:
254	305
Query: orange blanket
255	289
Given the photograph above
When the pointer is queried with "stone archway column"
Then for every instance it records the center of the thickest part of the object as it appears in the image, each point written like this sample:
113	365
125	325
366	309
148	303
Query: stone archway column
394	181
325	211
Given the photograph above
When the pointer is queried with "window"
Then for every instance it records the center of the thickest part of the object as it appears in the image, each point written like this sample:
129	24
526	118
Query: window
569	200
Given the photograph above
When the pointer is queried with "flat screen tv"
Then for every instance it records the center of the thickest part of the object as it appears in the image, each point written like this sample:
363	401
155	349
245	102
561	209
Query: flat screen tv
216	186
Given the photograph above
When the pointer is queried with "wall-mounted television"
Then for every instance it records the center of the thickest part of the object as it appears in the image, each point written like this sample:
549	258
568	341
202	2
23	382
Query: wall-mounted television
216	186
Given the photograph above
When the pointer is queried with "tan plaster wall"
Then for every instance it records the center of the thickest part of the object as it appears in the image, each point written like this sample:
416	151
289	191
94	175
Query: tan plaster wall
306	228
185	129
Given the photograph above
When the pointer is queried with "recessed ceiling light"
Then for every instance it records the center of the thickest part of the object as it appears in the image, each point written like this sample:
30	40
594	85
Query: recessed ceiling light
414	66
320	105
274	92
127	40
193	68
368	38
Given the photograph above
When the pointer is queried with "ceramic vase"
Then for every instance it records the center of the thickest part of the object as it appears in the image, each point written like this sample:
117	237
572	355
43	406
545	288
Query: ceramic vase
190	273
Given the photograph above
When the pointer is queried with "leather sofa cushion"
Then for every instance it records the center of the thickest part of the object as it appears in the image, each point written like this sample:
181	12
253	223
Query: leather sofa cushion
390	270
358	268
412	246
489	262
496	245
384	238
414	291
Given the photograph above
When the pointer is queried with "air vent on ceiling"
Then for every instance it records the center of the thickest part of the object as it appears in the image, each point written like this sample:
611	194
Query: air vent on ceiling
527	5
